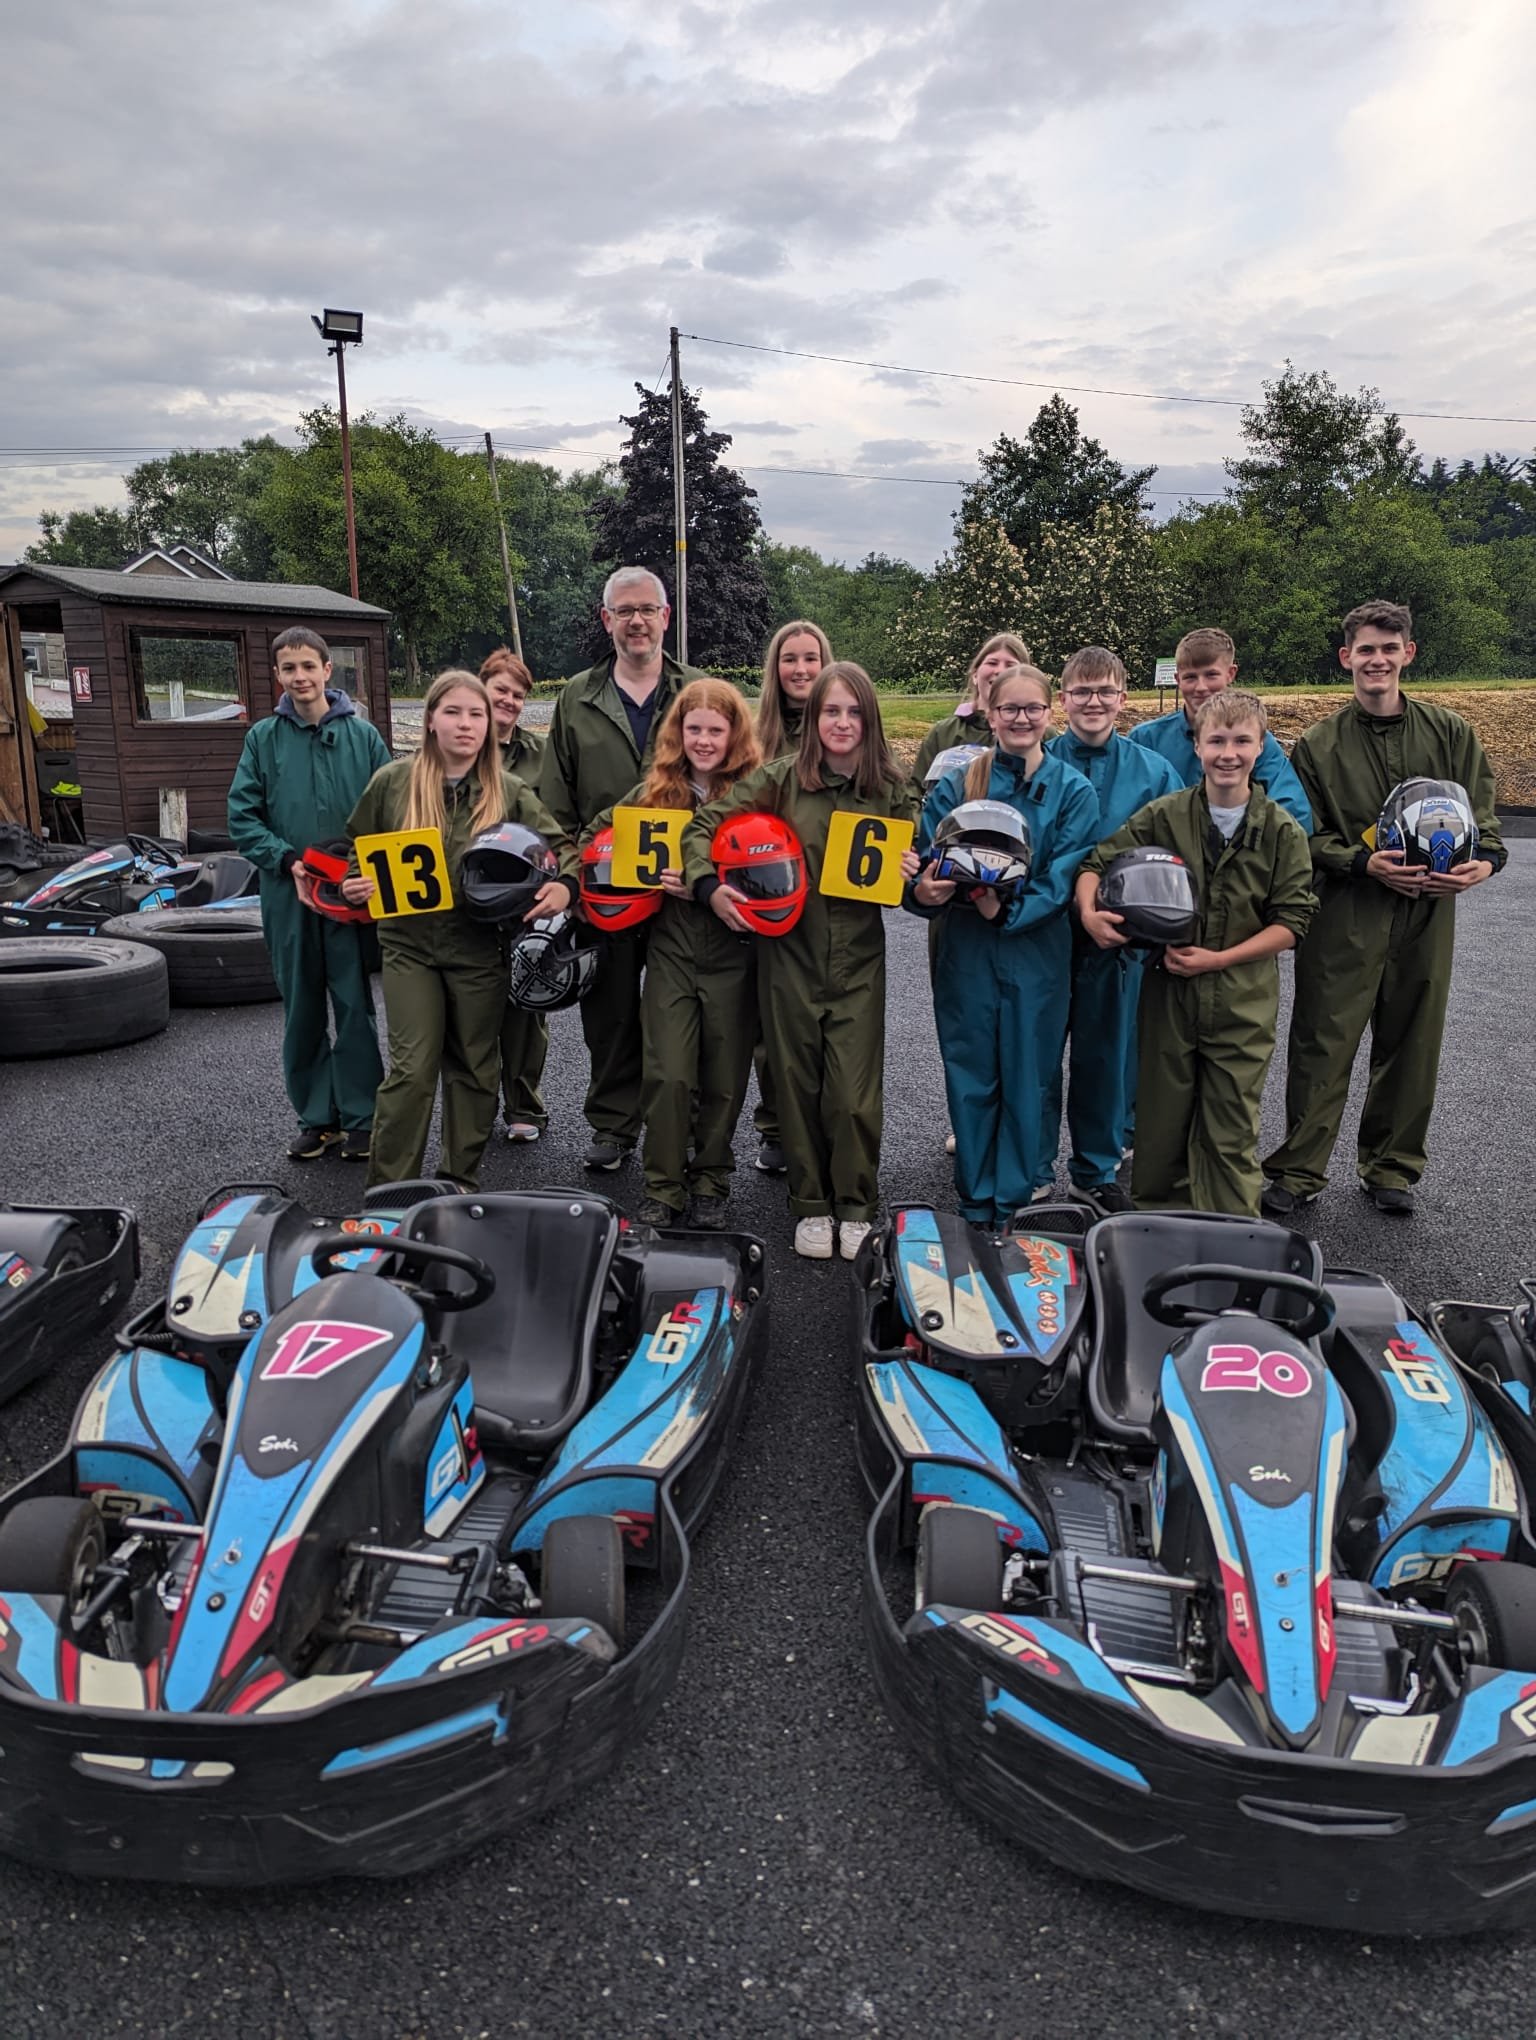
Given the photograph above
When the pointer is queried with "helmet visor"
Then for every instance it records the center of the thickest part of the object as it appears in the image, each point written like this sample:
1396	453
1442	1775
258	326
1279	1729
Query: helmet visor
1158	885
775	881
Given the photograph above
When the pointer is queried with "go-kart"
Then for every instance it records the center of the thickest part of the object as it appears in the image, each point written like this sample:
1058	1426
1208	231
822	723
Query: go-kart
65	1272
136	876
372	1541
1195	1565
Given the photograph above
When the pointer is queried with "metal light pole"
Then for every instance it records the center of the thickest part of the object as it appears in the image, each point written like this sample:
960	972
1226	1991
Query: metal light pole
679	510
343	330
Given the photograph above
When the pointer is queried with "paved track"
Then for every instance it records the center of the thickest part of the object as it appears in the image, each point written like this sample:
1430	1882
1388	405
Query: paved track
770	1860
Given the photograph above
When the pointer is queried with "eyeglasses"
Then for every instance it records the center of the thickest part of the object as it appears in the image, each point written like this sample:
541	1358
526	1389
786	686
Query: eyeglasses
1023	711
645	609
1081	696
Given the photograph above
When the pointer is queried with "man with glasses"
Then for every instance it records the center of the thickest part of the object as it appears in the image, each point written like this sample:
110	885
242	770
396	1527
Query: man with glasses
600	744
1106	984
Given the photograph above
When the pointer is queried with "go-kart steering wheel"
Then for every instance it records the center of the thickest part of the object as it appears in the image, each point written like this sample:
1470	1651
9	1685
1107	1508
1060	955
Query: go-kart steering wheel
1248	1288
424	1253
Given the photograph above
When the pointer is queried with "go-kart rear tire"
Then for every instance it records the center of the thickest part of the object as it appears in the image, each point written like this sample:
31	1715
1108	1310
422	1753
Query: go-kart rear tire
215	956
50	1544
1493	1603
65	994
959	1559
583	1576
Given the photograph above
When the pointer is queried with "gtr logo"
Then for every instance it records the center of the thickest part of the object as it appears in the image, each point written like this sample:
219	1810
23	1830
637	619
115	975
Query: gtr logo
673	1338
1014	1641
306	1352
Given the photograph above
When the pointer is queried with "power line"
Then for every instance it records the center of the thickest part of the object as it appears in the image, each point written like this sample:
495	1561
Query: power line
1071	389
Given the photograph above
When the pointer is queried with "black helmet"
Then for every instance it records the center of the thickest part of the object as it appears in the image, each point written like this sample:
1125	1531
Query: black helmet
1155	895
554	961
502	872
983	843
1431	822
955	759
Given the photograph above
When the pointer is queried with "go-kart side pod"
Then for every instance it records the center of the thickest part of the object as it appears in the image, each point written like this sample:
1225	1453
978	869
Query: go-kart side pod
64	1273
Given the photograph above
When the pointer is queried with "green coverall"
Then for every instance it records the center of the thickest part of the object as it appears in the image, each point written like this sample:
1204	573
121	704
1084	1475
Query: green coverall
1373	957
294	787
1206	1041
698	1015
445	984
766	1117
589	762
524	1034
821	990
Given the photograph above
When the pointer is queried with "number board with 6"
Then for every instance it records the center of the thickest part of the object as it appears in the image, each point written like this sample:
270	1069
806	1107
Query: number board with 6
863	857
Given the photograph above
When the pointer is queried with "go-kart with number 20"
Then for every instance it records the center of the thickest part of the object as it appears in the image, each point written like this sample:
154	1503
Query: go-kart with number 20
1199	1567
372	1541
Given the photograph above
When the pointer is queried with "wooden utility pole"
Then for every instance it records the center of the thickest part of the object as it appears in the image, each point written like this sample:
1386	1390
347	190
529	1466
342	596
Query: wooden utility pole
506	557
679	511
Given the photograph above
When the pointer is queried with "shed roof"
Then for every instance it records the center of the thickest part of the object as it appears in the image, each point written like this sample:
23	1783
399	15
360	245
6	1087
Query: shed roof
174	591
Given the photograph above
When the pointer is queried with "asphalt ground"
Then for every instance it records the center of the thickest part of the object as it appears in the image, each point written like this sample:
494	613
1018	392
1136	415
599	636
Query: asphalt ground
770	1859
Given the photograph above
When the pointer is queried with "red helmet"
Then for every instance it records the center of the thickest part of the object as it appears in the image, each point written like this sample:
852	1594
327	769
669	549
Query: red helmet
319	873
759	857
608	906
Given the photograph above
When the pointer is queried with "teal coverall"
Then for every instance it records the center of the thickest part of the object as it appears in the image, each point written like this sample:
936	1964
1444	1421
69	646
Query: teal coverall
294	787
445	985
1002	988
1206	1041
1373	957
1171	737
1106	983
821	990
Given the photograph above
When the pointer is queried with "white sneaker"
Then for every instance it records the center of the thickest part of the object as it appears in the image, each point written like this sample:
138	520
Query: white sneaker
949	1143
851	1235
522	1129
813	1238
1045	1193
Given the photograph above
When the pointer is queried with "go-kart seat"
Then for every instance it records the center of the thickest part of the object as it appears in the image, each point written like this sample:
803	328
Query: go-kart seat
530	1345
1124	1253
225	876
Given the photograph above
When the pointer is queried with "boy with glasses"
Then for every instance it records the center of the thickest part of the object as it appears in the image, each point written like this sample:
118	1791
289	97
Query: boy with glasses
1106	983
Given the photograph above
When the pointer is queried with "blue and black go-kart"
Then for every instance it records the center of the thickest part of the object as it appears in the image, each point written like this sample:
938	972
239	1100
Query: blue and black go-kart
1198	1566
139	875
65	1273
373	1539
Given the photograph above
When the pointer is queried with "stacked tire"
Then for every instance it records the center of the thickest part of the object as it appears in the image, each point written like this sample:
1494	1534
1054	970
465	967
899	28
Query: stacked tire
214	956
66	994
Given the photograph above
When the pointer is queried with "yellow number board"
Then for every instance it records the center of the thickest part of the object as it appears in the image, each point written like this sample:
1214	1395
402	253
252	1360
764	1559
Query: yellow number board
863	860
646	842
409	871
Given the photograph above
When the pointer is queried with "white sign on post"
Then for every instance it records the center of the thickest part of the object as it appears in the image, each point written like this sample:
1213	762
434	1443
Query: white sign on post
1164	676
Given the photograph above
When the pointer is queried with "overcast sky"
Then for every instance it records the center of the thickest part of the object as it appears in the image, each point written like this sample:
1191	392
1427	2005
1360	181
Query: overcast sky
523	197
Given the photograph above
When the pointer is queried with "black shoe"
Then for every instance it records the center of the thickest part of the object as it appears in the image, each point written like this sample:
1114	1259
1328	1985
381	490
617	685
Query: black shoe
604	1152
311	1141
707	1214
1275	1201
651	1211
1394	1202
1106	1197
770	1158
356	1144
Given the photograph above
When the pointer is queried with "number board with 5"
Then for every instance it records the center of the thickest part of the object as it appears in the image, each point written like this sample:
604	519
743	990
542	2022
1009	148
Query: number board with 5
863	858
409	870
647	842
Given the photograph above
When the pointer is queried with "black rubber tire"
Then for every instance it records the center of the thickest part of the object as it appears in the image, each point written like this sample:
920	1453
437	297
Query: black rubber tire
215	956
583	1574
1493	1603
68	994
51	1544
959	1559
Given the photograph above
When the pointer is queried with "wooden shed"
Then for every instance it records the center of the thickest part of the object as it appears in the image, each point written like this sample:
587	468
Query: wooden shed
166	673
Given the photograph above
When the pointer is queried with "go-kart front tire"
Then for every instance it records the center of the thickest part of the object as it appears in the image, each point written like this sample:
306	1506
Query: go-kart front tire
1493	1603
51	1544
583	1576
959	1559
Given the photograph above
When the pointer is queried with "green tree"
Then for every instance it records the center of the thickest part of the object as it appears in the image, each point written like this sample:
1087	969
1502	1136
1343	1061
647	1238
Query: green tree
101	537
980	586
1052	476
855	606
190	497
1481	502
426	529
559	584
728	604
1104	585
1310	445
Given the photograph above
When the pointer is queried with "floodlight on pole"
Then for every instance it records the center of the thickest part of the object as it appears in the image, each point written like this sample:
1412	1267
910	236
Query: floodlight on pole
343	330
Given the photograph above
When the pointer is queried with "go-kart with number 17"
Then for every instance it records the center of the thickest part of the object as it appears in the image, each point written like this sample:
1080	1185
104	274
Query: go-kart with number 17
372	1540
1200	1567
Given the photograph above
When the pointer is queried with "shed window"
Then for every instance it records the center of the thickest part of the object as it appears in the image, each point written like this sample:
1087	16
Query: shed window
187	676
349	670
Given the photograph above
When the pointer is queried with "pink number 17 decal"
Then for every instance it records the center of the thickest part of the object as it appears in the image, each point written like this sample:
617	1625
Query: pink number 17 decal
1245	1367
309	1351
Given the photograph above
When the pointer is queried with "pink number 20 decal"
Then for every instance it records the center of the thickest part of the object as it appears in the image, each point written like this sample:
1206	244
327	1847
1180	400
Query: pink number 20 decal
1245	1367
